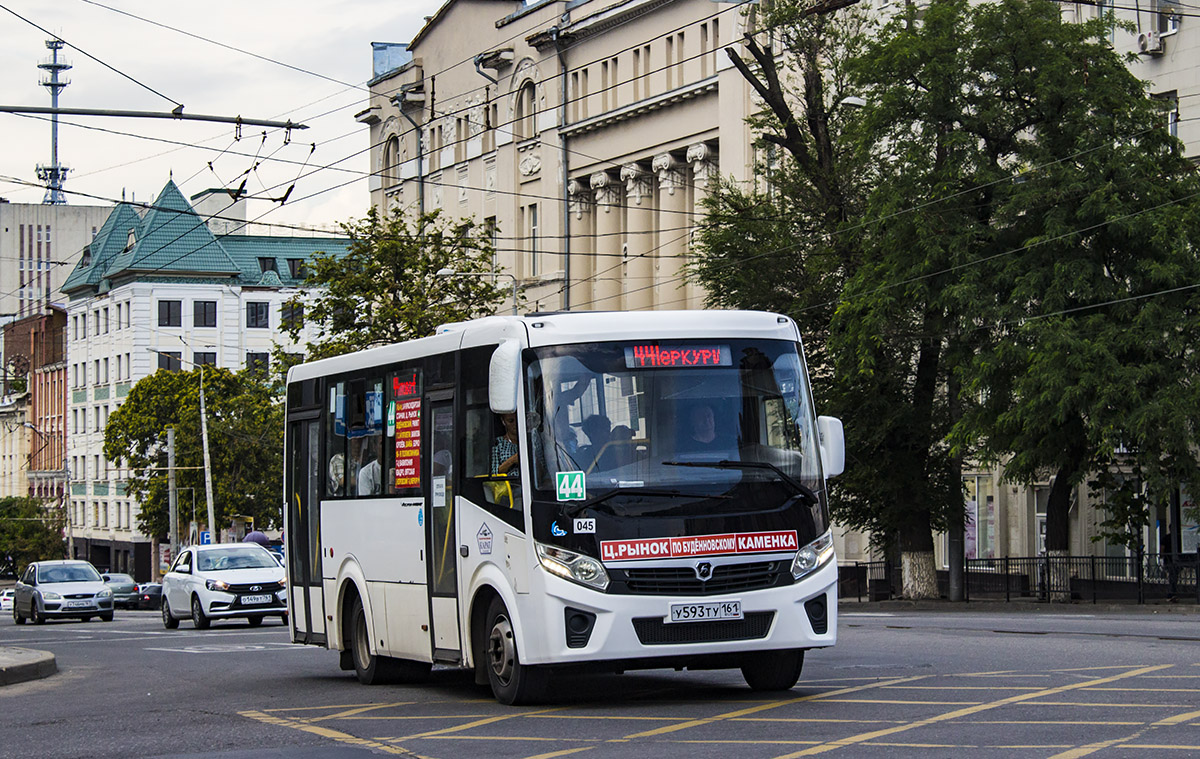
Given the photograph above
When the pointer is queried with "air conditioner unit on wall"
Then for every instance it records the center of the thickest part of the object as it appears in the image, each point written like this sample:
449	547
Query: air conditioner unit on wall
1150	43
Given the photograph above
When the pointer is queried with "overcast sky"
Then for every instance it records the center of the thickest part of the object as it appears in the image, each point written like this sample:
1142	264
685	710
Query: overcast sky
330	39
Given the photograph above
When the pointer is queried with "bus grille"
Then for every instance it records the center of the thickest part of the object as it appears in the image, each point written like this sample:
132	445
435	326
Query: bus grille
726	578
653	631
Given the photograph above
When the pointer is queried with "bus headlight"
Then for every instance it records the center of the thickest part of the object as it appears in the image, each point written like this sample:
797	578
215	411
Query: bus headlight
813	556
572	566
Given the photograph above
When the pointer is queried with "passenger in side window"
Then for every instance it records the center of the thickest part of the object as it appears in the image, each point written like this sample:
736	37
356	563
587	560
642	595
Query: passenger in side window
505	451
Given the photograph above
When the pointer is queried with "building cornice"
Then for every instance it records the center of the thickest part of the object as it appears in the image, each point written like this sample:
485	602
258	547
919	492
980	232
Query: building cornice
658	102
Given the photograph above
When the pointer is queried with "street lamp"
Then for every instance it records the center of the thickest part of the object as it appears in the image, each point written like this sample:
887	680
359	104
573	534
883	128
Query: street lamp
448	272
208	486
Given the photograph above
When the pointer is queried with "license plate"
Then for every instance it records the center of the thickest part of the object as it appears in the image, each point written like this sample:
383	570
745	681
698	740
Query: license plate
78	604
704	612
251	600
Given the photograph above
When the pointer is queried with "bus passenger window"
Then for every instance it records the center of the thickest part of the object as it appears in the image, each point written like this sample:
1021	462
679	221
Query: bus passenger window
335	441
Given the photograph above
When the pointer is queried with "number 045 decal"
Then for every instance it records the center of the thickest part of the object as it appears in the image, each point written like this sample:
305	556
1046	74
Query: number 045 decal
570	486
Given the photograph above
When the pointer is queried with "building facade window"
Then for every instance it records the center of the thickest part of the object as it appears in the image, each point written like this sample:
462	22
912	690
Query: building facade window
259	362
170	313
170	360
204	313
258	315
266	264
291	315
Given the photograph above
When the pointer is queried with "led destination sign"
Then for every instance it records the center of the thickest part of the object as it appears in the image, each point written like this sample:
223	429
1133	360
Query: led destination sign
675	356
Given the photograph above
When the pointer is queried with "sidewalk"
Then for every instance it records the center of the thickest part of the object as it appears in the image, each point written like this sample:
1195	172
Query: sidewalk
1018	606
20	664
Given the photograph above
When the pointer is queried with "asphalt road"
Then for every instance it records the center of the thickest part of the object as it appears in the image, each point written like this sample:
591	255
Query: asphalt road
900	683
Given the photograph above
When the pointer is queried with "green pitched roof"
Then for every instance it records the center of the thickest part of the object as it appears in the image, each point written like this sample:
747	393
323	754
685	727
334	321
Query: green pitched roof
171	242
173	238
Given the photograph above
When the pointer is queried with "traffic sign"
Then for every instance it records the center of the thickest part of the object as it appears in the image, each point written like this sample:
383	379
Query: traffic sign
205	538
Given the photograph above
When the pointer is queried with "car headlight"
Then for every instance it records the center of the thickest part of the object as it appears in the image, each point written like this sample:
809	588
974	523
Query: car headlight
104	593
813	556
50	595
572	566
217	585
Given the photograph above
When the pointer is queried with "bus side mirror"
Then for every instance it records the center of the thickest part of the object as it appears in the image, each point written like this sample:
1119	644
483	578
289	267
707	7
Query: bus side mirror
503	374
833	445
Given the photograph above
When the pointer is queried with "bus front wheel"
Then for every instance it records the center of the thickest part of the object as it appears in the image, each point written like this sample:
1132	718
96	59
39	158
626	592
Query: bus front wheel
773	670
512	682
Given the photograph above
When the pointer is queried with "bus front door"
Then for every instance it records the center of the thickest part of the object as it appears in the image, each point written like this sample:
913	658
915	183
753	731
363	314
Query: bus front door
306	608
442	535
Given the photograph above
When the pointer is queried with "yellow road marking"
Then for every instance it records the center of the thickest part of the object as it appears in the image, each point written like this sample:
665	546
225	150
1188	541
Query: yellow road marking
476	723
345	714
959	713
1177	719
764	707
896	701
325	732
564	752
1155	746
1092	748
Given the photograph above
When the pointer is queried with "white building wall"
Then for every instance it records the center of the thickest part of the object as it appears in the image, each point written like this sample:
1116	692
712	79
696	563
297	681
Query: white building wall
39	245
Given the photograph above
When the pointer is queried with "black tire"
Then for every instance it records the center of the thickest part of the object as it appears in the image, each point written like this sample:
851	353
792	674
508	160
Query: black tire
773	670
200	621
283	618
106	616
168	618
512	682
372	669
35	616
17	618
254	621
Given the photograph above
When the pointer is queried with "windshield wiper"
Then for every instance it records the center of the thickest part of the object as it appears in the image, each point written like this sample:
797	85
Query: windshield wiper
795	484
580	506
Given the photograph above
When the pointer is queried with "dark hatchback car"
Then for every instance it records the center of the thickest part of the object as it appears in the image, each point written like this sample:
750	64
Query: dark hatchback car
149	596
124	589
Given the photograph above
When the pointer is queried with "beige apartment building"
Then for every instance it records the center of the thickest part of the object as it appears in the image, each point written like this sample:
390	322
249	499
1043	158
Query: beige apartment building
584	133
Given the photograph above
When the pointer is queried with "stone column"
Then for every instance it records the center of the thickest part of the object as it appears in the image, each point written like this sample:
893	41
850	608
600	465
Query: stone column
674	223
703	161
583	262
638	274
606	280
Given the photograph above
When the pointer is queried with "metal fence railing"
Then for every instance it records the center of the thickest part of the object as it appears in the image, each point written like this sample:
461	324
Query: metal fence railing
1155	577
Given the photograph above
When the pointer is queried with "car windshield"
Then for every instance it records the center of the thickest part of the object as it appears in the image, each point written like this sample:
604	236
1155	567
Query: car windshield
681	415
234	557
68	573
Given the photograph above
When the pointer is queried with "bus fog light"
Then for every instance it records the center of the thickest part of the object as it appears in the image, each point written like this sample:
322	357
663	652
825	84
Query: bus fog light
572	566
813	556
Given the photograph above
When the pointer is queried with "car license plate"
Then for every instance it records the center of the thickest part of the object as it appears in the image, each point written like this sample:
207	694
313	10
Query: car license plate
251	600
78	604
703	612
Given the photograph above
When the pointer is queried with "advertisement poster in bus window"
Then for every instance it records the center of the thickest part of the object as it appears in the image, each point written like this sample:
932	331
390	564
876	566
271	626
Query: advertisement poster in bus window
406	391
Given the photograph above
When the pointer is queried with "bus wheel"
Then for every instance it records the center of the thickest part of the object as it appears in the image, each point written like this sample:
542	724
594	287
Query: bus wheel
375	669
773	670
512	682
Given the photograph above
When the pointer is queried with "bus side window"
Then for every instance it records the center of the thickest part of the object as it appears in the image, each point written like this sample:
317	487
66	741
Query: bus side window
335	441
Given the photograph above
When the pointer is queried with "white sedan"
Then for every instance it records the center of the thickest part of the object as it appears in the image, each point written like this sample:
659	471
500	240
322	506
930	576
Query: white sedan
6	599
221	581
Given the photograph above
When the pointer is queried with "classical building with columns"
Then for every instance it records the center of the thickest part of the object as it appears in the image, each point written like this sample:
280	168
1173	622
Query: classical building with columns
583	132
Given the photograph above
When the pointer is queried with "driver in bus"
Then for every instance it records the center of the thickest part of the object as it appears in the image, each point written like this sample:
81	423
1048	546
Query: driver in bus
505	452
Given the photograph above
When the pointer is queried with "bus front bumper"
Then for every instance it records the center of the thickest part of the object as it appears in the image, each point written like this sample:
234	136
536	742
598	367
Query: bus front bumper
575	624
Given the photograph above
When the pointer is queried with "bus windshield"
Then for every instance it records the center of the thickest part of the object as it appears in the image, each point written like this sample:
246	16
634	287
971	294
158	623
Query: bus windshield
670	417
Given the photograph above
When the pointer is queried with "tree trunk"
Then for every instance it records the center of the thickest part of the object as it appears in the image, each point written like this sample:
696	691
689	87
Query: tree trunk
919	575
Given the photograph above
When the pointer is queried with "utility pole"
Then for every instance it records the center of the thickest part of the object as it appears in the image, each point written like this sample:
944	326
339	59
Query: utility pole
54	174
208	486
173	516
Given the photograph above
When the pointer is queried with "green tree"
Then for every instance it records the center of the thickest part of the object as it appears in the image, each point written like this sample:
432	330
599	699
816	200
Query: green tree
1087	285
30	530
245	428
386	289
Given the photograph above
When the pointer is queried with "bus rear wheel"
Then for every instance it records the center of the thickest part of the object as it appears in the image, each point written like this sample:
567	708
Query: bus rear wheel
372	669
512	682
773	670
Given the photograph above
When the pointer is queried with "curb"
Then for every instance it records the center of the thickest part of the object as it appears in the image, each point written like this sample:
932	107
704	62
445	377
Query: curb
18	665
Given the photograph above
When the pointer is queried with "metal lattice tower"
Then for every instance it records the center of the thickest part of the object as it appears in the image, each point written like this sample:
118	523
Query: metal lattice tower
54	174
